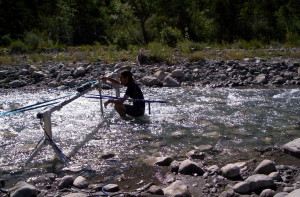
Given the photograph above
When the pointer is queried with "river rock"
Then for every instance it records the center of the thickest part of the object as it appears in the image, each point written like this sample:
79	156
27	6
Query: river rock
170	82
163	161
242	187
150	81
260	181
66	182
76	195
261	79
288	75
3	73
230	171
177	189
295	193
16	84
265	167
22	189
281	194
293	147
160	75
214	169
80	182
267	193
32	69
111	188
275	176
174	166
228	193
80	71
38	74
155	190
178	73
189	167
195	154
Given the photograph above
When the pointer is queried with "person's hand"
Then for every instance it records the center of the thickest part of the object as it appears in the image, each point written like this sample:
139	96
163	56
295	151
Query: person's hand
106	103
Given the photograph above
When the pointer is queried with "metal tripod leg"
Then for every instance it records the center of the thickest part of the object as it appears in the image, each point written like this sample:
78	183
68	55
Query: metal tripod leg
38	148
48	140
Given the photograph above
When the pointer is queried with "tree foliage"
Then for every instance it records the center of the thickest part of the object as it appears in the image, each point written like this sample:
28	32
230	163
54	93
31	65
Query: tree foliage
138	22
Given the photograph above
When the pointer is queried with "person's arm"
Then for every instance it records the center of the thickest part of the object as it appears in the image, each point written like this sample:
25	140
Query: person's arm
121	101
113	81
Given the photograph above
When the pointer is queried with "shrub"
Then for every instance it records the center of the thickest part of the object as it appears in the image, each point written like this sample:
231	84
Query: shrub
122	41
33	40
170	36
292	39
189	46
18	46
6	40
253	44
159	52
198	56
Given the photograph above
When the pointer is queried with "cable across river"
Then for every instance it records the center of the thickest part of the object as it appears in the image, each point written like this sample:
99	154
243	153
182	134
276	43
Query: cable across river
120	98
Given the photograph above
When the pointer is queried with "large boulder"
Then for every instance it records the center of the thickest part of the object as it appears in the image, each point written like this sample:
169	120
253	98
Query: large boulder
265	167
22	189
230	171
295	193
150	81
293	147
260	181
242	187
190	168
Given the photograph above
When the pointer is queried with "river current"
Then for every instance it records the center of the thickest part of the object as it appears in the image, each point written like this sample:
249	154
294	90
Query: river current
231	121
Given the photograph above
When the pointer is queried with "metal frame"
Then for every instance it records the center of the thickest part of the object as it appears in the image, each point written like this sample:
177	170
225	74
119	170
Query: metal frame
45	117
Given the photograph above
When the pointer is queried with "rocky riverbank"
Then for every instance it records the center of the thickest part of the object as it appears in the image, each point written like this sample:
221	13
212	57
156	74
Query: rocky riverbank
211	73
274	173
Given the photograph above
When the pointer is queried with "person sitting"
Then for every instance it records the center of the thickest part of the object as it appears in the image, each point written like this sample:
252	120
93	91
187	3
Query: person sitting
133	91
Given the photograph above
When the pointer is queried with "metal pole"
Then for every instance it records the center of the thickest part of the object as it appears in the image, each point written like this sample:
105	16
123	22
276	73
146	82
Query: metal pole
100	90
47	125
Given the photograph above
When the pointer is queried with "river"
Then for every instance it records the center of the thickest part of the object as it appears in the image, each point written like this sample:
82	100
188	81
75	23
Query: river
232	121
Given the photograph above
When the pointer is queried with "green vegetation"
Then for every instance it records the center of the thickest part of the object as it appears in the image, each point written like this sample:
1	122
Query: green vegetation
37	31
123	23
156	52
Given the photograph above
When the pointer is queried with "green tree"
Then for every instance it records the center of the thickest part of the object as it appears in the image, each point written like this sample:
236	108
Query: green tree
57	21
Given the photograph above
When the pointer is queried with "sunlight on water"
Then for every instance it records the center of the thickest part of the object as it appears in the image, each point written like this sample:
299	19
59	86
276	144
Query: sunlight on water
231	120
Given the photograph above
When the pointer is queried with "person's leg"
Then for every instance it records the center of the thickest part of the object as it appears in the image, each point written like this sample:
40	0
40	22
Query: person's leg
120	108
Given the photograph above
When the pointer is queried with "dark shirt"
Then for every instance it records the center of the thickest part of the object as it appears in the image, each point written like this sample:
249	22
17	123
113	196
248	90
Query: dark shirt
134	92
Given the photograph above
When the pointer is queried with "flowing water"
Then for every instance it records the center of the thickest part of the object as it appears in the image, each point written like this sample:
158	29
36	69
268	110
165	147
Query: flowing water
232	121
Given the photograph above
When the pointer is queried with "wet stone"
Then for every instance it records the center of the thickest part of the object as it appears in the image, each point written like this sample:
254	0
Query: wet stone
111	188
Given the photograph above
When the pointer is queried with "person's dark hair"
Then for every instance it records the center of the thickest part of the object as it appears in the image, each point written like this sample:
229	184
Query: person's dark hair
127	73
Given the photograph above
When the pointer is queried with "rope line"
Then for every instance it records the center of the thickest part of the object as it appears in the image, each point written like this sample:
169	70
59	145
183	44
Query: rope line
112	178
27	109
22	108
120	98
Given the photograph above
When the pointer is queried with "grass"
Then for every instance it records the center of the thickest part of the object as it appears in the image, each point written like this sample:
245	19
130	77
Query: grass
160	53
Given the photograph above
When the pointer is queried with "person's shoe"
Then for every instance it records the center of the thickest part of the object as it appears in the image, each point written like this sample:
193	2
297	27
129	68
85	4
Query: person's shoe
126	118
